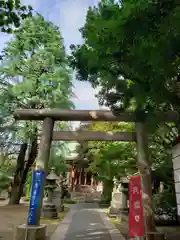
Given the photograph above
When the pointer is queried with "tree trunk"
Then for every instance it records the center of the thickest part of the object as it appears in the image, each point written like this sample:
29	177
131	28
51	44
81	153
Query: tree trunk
144	167
17	189
31	159
43	157
107	190
17	176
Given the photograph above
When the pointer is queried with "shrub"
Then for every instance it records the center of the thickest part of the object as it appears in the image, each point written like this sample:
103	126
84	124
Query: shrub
165	205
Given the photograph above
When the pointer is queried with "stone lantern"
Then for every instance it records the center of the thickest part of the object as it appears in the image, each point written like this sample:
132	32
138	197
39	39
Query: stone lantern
57	196
119	203
49	209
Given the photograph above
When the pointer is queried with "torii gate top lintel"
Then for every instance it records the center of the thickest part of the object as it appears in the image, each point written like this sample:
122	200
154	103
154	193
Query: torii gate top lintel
89	115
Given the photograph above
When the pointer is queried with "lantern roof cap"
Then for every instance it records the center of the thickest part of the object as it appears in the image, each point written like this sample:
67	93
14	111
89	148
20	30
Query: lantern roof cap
52	175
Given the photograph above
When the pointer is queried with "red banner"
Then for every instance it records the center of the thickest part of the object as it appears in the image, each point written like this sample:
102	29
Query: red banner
136	214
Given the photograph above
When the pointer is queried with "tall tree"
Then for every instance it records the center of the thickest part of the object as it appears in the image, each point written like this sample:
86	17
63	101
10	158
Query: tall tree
115	53
12	12
34	74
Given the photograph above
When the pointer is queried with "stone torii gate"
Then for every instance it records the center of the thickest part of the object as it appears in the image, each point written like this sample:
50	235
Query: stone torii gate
49	116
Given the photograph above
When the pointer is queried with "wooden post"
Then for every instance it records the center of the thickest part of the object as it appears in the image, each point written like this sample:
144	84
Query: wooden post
80	172
43	155
92	180
77	177
68	181
82	176
85	181
144	166
72	183
124	191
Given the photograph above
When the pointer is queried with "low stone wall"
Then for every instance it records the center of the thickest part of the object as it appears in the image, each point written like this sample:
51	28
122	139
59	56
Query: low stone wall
3	195
176	167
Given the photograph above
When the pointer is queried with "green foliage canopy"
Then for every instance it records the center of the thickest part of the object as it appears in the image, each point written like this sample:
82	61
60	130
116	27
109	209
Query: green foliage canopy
34	71
131	50
112	159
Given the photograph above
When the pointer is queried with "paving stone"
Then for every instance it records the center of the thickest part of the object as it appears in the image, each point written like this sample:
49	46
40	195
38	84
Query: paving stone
85	221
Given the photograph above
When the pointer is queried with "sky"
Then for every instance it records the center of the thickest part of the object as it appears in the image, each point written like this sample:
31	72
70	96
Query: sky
69	15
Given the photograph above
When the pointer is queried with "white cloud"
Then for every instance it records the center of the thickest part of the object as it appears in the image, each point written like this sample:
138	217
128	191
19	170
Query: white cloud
70	16
85	96
85	99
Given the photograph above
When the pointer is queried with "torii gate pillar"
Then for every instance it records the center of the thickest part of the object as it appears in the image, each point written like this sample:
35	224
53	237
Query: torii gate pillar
38	231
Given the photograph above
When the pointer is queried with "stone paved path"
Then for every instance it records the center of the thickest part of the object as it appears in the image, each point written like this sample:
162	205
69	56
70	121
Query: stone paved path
86	221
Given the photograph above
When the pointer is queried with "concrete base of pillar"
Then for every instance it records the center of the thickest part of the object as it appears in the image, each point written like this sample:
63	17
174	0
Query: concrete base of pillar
118	211
113	211
61	208
123	215
30	232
